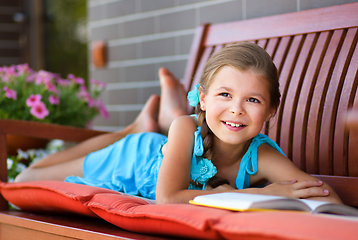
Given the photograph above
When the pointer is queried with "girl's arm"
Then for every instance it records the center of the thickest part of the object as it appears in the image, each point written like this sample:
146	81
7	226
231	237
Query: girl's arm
288	180
174	174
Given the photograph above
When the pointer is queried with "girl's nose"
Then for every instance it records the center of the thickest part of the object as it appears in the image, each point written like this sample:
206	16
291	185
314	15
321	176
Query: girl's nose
237	108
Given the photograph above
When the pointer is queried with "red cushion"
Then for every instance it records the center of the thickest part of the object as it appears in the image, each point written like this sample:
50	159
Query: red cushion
51	196
186	220
135	214
285	225
182	220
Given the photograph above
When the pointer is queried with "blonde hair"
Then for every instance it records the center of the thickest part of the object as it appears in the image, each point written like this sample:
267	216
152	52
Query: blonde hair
242	56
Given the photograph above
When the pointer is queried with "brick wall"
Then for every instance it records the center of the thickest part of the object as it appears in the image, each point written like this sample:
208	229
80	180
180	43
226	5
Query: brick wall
143	35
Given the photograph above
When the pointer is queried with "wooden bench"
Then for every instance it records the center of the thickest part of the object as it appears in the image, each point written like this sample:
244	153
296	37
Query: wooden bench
316	54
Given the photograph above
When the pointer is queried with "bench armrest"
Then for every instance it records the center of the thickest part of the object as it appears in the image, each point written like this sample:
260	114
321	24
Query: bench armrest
37	130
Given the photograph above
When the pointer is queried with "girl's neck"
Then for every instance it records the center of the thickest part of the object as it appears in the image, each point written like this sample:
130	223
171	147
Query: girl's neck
227	154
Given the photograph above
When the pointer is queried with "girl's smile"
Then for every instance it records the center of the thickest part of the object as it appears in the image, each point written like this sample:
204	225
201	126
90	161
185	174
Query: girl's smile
237	104
234	126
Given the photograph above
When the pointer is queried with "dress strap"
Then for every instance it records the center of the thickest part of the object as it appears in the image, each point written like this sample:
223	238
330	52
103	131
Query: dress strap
248	165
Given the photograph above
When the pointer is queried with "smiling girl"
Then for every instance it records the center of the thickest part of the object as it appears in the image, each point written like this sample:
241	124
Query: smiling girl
237	94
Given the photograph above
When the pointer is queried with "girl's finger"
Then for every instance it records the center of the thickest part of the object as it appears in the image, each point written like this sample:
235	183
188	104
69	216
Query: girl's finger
307	184
311	192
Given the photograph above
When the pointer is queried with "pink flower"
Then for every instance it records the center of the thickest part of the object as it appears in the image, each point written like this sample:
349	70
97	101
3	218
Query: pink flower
31	78
54	99
10	71
51	87
91	102
63	82
102	109
84	94
79	81
43	77
83	88
10	93
23	68
33	100
98	83
5	78
39	110
70	76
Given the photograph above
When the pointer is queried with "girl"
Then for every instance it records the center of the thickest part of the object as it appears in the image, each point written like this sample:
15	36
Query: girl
218	149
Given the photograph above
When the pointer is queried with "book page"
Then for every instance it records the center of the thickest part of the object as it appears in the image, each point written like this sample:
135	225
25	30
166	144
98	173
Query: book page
244	201
313	204
258	202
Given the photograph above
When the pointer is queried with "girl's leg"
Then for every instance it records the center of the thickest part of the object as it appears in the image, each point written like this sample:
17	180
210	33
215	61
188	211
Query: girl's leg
56	172
145	122
173	102
60	164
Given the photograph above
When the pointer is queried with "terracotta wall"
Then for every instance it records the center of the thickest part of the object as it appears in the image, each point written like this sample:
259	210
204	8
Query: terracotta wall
143	35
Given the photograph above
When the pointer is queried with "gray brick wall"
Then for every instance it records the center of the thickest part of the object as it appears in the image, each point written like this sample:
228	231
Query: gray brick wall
144	35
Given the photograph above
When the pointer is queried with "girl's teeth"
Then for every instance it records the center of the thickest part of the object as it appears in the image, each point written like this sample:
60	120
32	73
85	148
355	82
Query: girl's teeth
234	125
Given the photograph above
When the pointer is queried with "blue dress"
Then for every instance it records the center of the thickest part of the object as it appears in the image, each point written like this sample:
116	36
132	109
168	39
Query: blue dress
131	165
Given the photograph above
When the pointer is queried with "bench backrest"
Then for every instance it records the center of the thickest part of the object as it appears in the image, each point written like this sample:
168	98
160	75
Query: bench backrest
317	59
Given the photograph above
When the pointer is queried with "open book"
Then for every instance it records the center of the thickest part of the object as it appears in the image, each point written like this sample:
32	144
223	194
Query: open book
257	202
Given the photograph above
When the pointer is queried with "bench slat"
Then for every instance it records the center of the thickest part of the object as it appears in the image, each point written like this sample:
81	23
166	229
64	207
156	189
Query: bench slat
279	58
304	22
353	135
315	115
283	121
304	102
333	138
345	102
195	55
328	111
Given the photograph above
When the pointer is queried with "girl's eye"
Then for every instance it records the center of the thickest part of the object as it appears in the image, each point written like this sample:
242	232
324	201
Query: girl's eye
224	94
253	100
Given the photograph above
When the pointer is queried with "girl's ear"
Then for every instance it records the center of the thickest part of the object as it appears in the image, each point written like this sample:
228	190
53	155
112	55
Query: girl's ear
271	114
202	99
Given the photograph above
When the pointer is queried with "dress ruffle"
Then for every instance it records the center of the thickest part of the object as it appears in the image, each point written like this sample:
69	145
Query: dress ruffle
202	169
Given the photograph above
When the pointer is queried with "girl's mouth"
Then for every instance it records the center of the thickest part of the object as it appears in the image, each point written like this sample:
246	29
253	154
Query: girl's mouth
236	125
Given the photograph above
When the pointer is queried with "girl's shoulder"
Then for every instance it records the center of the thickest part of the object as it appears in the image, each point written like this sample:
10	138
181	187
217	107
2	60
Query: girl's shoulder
185	123
270	153
264	143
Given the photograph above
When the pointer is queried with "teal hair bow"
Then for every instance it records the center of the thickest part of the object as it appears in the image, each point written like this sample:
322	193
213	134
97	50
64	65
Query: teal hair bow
193	96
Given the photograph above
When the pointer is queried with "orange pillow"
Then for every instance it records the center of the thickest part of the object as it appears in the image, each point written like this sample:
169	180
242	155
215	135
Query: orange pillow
184	220
180	220
285	225
51	196
139	215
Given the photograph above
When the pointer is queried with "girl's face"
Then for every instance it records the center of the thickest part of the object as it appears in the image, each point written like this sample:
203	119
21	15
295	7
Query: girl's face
237	104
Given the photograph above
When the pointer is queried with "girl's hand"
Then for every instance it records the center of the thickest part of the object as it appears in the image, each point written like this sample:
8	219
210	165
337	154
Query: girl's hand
222	188
295	189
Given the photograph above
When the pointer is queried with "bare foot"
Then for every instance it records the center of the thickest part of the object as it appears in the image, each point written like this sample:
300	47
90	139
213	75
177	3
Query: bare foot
173	101
147	120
